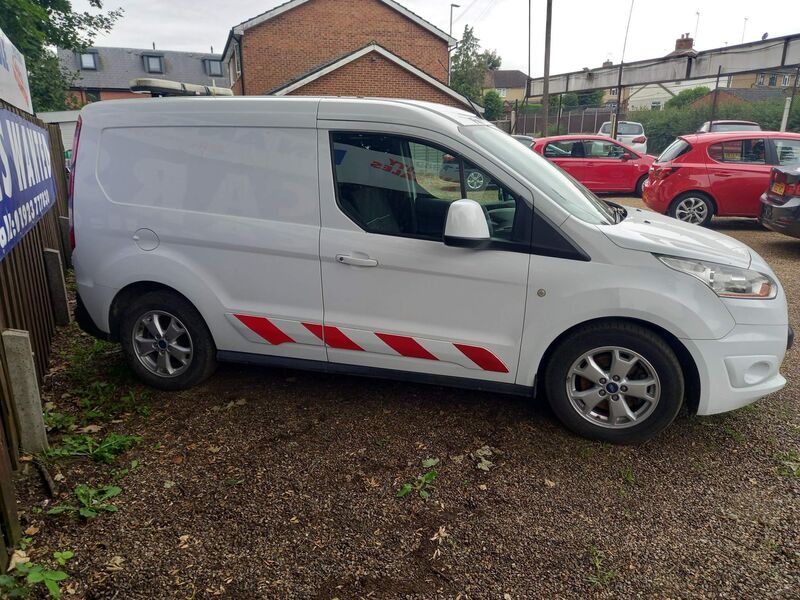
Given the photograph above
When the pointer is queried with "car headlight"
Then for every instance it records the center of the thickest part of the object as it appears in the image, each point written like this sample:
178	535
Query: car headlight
727	282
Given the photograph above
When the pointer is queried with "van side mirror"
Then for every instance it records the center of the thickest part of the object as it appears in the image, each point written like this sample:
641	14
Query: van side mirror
466	225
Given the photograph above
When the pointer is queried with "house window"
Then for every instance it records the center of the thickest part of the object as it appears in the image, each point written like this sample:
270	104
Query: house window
655	105
153	64
89	61
773	80
613	91
502	91
760	79
785	82
214	68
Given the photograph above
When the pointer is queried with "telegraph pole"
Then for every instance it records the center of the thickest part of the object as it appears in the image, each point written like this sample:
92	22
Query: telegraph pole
546	82
615	120
450	50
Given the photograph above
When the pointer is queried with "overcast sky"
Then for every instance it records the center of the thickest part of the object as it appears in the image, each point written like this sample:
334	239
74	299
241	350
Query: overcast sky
585	32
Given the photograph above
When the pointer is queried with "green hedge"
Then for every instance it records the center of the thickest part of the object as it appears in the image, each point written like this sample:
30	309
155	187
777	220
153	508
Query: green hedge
663	126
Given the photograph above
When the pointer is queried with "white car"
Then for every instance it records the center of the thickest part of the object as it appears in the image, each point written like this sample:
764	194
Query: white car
318	233
629	133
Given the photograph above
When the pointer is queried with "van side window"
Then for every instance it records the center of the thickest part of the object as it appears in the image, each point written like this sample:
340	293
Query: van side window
393	185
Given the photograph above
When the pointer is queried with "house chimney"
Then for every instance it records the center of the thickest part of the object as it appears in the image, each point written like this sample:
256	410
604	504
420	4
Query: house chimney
685	42
607	63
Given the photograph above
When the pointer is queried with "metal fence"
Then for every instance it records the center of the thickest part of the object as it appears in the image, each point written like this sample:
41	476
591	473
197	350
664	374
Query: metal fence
584	120
25	304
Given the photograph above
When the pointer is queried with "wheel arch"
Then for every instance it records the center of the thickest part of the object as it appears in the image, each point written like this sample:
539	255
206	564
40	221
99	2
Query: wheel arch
688	366
123	297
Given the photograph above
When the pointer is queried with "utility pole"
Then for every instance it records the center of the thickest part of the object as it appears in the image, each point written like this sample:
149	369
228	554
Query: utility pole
615	120
790	100
546	81
450	50
744	29
714	103
696	24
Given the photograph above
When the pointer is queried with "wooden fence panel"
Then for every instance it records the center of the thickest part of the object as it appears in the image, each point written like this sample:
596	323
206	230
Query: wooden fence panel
25	304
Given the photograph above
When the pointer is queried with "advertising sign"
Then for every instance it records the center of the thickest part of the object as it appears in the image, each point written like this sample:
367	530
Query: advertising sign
14	87
27	187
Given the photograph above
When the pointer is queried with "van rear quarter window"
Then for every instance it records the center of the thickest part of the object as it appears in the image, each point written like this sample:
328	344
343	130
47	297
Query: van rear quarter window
261	173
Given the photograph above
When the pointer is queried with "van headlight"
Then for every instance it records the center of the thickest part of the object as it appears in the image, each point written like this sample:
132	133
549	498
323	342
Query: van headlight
727	282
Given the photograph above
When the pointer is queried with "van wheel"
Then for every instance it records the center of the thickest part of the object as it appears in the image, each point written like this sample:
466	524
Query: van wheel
640	185
614	382
167	342
692	207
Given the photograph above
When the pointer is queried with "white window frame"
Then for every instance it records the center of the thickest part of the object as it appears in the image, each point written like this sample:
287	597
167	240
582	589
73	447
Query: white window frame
147	67
760	79
503	92
785	82
773	80
211	61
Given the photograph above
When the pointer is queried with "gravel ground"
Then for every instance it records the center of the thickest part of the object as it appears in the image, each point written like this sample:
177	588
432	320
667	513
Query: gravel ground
283	484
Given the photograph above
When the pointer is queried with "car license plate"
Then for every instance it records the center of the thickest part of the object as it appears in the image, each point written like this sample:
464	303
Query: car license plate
778	188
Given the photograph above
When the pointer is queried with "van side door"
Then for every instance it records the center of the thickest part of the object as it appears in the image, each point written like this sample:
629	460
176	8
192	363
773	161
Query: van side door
395	296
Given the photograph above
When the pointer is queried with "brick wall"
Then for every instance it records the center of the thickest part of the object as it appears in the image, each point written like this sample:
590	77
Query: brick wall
374	75
300	39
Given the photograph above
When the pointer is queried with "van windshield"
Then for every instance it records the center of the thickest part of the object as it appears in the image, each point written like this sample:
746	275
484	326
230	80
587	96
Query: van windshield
560	187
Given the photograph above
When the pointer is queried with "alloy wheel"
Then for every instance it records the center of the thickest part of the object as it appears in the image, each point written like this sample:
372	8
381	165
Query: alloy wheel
613	387
162	343
692	210
475	180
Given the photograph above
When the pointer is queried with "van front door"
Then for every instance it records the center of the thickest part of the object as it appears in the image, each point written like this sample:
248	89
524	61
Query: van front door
395	296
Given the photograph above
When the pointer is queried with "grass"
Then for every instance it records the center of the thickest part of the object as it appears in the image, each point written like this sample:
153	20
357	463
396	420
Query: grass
600	576
788	463
104	451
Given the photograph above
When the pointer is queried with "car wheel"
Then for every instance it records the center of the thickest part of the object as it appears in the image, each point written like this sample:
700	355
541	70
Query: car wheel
476	181
640	185
692	207
614	382
167	342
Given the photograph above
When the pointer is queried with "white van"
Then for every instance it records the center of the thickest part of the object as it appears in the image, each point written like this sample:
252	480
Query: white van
341	235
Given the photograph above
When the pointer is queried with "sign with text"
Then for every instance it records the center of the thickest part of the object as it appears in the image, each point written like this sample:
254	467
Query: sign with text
27	187
14	87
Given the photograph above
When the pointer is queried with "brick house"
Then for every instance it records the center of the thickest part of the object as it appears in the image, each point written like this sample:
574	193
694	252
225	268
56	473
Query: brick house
341	48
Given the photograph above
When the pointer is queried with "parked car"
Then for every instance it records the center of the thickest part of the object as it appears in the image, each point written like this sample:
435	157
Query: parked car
780	204
629	133
525	140
729	125
475	179
602	165
700	176
191	257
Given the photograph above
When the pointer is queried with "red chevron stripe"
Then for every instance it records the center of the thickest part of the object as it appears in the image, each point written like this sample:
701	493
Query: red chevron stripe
483	358
405	346
266	329
333	337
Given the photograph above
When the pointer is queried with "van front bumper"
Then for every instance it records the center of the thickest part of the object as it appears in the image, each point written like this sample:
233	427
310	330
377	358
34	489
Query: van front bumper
741	367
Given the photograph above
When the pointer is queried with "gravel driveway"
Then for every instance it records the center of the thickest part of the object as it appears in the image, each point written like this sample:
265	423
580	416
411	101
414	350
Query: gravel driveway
283	484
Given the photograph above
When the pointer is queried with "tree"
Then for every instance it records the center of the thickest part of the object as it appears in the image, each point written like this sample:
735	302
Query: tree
34	26
686	97
493	105
469	65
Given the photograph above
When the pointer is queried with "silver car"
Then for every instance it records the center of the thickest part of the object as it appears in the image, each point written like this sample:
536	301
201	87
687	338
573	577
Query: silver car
629	133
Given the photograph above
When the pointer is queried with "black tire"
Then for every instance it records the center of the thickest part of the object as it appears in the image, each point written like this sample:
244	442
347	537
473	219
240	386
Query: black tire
625	335
203	360
640	185
675	205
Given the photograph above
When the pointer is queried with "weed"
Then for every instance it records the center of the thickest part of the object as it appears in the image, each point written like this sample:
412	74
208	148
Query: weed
733	433
118	474
105	451
628	476
91	501
99	401
58	422
27	576
62	557
601	576
422	483
25	543
788	463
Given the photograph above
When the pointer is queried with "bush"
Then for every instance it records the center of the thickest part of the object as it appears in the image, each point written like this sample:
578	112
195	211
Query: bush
663	126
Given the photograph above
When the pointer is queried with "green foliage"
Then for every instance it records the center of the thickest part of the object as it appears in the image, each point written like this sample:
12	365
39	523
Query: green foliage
422	483
788	463
663	126
99	401
58	422
105	451
469	65
686	97
25	577
600	576
91	502
493	105
36	25
62	557
574	100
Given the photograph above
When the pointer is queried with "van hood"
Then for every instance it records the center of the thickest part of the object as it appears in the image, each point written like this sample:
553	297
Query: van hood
651	232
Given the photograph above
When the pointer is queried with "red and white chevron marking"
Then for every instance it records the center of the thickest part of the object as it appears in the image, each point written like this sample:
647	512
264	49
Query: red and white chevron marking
280	331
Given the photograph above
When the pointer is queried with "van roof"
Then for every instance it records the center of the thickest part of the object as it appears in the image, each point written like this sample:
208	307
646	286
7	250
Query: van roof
298	111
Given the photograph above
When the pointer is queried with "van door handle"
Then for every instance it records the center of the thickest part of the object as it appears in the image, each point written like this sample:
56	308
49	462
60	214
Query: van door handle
355	261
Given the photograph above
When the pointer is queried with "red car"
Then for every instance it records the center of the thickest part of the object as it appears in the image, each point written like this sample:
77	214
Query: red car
724	174
599	163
